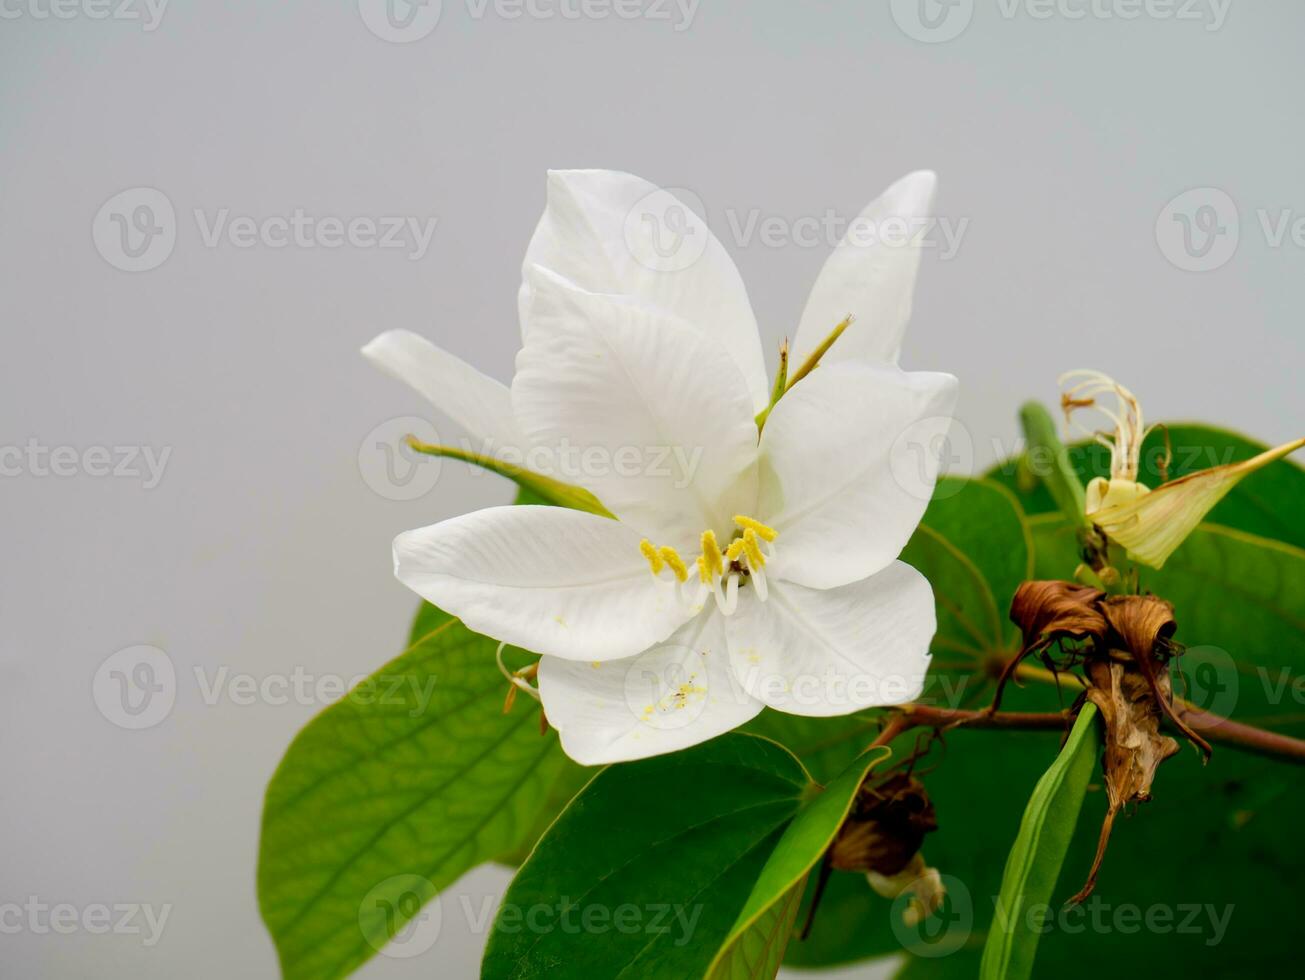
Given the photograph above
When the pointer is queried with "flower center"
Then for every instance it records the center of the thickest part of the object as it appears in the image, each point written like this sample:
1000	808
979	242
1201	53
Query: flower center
721	570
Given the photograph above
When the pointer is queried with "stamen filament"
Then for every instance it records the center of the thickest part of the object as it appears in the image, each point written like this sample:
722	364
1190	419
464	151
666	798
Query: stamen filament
731	595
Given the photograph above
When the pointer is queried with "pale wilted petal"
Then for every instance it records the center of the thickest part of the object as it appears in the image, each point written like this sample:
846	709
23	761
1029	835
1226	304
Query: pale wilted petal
1153	525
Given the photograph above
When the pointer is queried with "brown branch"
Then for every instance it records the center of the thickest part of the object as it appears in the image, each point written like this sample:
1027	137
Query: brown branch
1260	741
1216	728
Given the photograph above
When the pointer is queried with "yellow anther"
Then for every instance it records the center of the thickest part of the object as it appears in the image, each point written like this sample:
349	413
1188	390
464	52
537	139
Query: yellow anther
711	554
753	550
647	549
763	531
735	549
673	559
704	575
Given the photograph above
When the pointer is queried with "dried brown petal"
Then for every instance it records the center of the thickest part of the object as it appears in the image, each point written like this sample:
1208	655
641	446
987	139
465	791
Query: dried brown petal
1142	621
1134	747
1048	611
1144	627
1045	611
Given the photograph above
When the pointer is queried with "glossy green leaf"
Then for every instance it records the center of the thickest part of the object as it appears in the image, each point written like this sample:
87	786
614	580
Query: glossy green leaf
428	618
1051	461
804	843
758	953
391	794
646	872
1266	503
1040	847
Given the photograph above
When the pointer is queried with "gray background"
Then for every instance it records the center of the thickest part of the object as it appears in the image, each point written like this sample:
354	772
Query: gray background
262	549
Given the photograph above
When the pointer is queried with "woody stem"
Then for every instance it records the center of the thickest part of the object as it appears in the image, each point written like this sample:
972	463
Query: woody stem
1214	727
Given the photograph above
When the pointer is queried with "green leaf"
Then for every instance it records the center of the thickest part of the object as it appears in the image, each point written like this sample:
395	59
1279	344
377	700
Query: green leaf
1051	462
1266	503
647	870
428	619
759	952
391	794
804	842
537	487
1034	862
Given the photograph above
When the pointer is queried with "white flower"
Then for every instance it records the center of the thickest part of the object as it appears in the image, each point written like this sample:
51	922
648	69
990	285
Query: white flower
740	571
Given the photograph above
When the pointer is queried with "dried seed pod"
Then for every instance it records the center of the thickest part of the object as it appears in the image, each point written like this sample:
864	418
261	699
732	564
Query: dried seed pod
886	826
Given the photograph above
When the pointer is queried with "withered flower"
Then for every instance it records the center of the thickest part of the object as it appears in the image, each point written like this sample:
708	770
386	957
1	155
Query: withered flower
882	837
1149	523
1126	645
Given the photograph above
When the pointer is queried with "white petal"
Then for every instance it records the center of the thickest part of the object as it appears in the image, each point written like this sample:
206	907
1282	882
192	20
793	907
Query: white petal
475	401
639	408
871	275
672	696
550	580
612	232
849	459
822	652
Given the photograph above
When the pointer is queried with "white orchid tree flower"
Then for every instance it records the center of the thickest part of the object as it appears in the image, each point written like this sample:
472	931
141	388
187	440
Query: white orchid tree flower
1149	523
743	568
